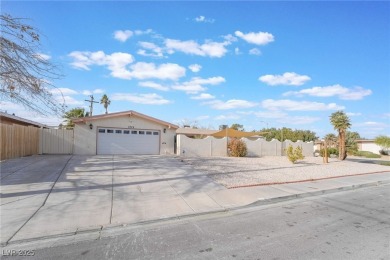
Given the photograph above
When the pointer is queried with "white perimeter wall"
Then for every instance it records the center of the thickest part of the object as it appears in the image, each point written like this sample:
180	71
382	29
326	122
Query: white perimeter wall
85	139
211	146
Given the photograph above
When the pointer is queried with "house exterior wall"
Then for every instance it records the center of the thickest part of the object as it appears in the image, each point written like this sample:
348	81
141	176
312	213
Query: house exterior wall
85	139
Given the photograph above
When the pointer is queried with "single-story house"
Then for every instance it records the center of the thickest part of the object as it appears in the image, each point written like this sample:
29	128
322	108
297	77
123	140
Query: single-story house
12	119
127	132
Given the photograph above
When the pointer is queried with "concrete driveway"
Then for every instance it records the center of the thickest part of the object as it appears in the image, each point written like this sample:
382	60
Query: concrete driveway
67	194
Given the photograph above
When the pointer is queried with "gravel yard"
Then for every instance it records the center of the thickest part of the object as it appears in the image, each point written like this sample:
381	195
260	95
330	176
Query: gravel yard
233	172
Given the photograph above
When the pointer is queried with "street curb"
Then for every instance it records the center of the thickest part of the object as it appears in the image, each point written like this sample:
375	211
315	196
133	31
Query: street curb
314	193
307	180
109	228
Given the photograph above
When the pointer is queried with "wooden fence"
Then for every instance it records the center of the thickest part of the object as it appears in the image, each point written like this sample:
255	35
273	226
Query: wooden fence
18	141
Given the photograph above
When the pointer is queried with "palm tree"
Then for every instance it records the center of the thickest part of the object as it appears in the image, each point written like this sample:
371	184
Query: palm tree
331	140
341	123
105	101
73	113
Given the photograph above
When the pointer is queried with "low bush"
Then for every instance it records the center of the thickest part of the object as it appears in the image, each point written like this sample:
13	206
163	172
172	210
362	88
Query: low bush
294	154
331	150
384	152
237	148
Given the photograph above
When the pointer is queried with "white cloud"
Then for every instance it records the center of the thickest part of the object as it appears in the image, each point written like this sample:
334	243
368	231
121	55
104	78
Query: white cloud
155	50
356	93
255	51
195	67
143	70
195	84
237	51
230	38
116	62
43	56
209	48
154	85
189	88
286	104
63	91
95	91
260	38
203	96
230	104
208	81
140	32
372	124
270	114
353	114
227	117
68	100
288	78
122	36
203	19
146	99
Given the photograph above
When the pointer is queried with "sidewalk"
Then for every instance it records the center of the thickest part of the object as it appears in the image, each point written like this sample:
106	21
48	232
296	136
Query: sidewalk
187	204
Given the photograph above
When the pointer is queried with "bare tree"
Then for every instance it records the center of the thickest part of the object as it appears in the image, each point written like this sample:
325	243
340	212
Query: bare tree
26	74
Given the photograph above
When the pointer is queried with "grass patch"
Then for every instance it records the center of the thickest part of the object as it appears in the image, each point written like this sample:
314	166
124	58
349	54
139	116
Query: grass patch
385	163
367	154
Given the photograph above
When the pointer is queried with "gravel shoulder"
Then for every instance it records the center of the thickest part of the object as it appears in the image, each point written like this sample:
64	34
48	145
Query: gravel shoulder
233	172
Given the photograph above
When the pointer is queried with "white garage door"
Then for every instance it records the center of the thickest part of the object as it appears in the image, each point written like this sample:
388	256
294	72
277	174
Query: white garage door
128	141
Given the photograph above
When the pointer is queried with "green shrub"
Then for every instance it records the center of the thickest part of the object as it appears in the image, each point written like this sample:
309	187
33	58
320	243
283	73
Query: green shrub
294	154
367	154
373	155
384	152
385	163
237	148
331	150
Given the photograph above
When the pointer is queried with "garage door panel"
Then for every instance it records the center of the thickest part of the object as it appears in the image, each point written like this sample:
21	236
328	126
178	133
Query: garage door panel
128	141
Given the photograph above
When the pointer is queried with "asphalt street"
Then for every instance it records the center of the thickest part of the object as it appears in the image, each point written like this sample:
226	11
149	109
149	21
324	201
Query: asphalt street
345	225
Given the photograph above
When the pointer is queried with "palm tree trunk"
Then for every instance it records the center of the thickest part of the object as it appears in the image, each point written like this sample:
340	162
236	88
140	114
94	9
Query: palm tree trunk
340	144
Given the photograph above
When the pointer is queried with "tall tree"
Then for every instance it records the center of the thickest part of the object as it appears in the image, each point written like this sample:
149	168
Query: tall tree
331	140
71	114
384	142
237	127
105	101
341	123
25	73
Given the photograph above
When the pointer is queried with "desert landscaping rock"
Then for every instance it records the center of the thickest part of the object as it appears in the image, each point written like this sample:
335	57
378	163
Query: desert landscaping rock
233	172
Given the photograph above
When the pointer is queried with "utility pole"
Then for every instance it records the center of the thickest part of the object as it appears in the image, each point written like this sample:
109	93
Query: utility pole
91	104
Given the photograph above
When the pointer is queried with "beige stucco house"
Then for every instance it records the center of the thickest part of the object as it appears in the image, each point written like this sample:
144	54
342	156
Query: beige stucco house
127	132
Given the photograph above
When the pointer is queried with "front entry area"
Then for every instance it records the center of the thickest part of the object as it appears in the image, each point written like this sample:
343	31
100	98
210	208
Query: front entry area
127	141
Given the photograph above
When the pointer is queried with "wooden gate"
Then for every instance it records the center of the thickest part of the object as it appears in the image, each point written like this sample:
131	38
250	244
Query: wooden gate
56	141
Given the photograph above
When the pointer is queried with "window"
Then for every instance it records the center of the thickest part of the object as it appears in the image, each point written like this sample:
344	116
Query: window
134	132
126	132
102	130
141	132
148	132
110	131
118	131
155	133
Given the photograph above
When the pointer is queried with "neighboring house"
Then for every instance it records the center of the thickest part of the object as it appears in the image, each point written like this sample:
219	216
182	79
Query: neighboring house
12	119
127	132
368	145
195	132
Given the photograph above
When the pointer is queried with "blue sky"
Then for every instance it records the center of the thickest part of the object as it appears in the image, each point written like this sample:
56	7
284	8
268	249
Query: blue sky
287	64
